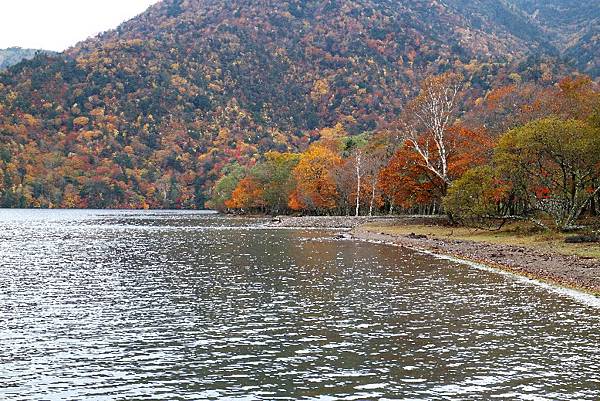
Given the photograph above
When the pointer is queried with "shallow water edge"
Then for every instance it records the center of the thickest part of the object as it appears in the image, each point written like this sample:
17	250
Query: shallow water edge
584	294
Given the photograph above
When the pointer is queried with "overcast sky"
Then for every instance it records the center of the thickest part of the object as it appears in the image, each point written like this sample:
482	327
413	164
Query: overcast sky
59	24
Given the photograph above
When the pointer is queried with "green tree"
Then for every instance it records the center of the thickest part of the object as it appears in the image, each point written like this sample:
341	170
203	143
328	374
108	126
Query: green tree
275	174
475	197
223	189
557	162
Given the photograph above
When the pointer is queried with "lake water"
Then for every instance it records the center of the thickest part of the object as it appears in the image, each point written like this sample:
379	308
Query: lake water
98	305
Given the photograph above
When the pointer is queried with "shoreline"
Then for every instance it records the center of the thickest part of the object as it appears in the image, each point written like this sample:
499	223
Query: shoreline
582	274
582	295
347	222
574	272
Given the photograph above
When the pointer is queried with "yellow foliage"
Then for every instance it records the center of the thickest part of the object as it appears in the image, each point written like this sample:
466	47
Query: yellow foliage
332	137
81	121
97	112
89	135
31	121
316	184
320	89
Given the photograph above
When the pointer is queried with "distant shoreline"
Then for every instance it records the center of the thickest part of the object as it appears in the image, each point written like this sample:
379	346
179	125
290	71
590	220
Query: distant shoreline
573	271
348	222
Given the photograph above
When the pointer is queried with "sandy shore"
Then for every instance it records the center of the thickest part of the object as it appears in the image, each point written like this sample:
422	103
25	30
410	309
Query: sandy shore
578	272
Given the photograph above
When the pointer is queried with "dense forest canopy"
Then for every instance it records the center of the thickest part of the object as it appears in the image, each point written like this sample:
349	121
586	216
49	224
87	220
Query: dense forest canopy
153	113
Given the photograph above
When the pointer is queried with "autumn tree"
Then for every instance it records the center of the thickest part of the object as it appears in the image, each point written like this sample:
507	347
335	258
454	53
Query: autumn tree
376	157
575	98
357	161
225	186
476	198
509	106
407	184
345	182
275	176
247	196
316	188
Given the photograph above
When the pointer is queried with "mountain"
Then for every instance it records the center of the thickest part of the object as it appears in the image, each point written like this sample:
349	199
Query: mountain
571	26
149	114
14	55
569	29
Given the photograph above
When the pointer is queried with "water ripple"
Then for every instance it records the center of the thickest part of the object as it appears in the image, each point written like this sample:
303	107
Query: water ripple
100	305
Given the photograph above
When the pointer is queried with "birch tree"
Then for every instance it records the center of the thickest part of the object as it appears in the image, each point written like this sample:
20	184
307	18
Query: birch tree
358	169
428	118
376	158
355	148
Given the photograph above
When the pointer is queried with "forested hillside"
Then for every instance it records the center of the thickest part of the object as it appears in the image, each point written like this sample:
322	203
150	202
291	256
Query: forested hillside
150	115
571	26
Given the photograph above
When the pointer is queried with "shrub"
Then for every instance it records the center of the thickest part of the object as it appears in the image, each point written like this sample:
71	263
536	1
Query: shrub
474	198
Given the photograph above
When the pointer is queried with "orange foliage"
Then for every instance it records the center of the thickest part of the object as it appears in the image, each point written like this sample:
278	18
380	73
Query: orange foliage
406	182
247	195
81	121
316	188
470	148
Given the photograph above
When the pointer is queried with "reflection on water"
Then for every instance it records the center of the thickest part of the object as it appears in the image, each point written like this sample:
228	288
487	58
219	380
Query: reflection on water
173	305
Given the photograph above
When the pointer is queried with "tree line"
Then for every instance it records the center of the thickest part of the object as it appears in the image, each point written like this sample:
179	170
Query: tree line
525	151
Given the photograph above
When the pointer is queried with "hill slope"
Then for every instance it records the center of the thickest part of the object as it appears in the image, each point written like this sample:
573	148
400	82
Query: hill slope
149	114
571	26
